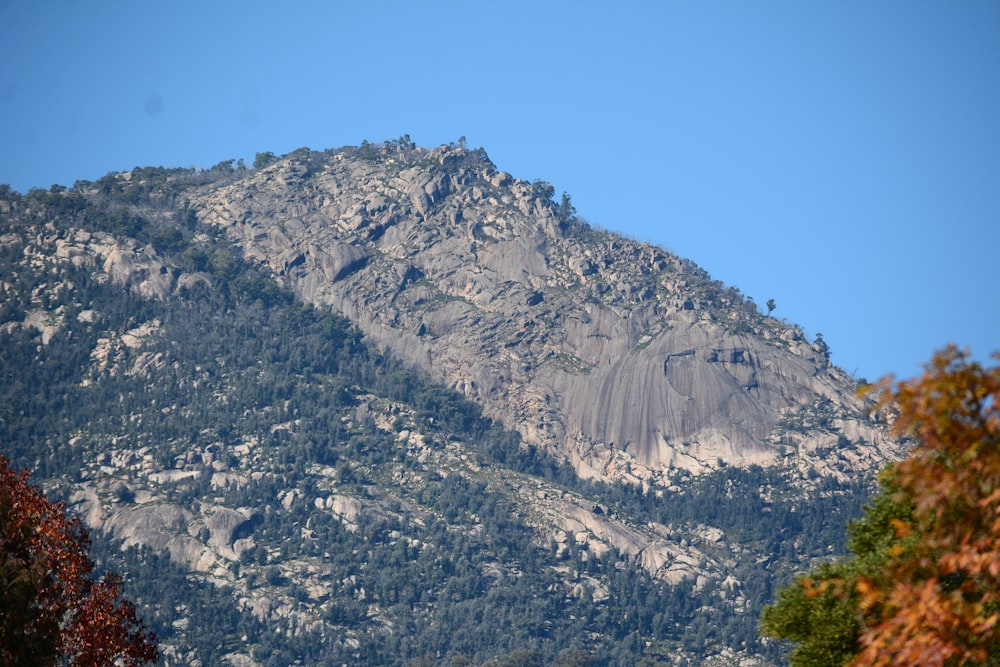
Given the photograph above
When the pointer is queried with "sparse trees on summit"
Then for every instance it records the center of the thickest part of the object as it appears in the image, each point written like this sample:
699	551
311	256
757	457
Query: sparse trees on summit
261	160
225	167
566	209
821	346
543	189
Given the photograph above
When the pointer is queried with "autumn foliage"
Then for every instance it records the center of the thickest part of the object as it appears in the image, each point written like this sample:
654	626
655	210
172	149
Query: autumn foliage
52	610
938	600
922	587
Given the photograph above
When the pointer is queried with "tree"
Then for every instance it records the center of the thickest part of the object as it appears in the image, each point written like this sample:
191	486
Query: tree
771	305
938	602
261	160
52	612
543	189
923	585
821	346
818	612
566	209
519	658
575	658
225	167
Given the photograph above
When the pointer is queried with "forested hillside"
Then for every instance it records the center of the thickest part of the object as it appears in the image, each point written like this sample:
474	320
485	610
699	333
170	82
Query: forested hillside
275	488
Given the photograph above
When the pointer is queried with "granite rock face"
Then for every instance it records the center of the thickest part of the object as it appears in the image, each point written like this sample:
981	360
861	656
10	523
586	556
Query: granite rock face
617	355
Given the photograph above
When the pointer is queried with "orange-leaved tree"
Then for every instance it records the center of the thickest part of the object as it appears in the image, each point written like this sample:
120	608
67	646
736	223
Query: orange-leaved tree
52	610
937	602
922	586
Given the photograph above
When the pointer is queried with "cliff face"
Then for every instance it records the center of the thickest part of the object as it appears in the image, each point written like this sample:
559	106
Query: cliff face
625	359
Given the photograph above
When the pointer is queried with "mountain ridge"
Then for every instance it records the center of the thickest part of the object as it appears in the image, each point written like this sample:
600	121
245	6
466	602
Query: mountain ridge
586	343
279	484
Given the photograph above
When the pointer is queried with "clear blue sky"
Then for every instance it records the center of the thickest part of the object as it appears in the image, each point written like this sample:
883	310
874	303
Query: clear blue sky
842	158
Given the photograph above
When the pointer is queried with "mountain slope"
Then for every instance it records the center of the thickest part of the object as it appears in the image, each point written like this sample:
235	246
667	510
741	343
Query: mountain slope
617	355
279	486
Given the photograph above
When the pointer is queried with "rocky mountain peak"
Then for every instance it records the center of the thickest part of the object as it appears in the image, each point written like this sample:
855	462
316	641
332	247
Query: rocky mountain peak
277	488
617	355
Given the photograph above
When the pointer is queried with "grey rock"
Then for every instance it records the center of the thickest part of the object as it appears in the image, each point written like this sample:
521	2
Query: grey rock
226	527
161	527
616	355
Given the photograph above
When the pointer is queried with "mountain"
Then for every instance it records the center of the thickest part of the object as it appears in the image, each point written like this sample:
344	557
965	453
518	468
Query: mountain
389	405
615	354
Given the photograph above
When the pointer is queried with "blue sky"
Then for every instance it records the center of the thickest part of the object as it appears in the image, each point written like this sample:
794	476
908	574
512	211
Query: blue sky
841	158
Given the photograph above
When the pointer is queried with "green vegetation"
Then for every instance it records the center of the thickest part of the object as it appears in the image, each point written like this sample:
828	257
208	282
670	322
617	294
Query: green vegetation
818	611
262	160
235	376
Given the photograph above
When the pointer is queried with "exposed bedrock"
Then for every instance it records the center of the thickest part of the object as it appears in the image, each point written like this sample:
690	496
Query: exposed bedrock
599	348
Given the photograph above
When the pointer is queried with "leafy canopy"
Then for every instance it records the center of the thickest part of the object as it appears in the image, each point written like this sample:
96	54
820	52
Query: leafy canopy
52	612
923	584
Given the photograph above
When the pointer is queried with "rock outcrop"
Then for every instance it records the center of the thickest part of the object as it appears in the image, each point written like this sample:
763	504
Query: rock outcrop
621	357
184	406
